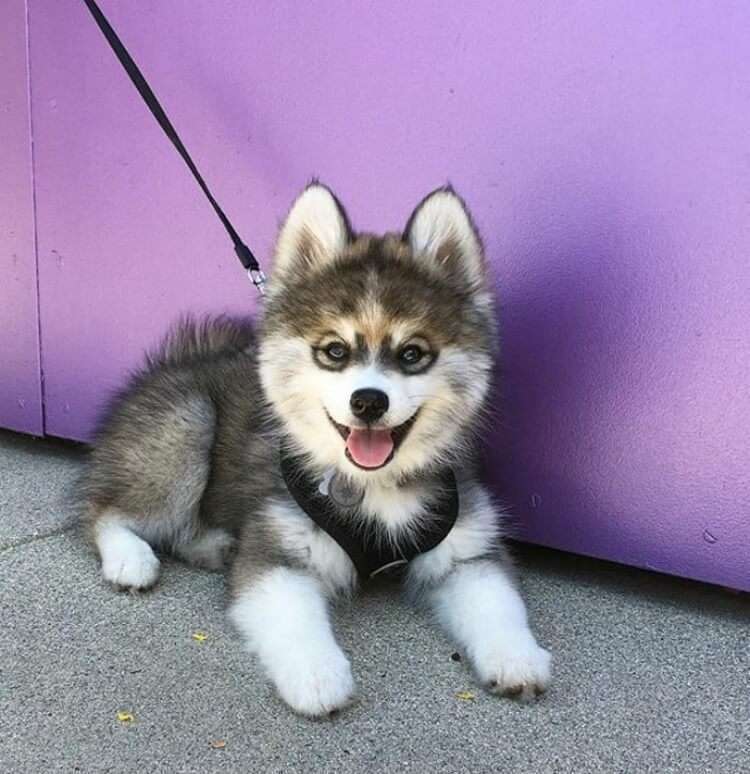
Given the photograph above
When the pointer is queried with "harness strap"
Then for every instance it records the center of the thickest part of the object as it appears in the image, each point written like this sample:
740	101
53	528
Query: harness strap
244	253
369	555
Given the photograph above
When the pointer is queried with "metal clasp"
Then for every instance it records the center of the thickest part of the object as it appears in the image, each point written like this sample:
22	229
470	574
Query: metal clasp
389	568
258	279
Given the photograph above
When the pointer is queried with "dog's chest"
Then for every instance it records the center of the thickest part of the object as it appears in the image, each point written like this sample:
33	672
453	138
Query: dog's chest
396	509
382	511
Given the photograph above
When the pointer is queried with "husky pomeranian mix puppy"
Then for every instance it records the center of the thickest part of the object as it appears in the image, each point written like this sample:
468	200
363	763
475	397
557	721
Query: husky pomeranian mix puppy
335	443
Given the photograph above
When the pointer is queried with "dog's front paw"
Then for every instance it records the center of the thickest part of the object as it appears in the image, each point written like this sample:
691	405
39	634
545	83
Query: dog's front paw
514	666
318	688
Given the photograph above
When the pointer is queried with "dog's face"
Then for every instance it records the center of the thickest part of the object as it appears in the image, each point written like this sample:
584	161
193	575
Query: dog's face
377	351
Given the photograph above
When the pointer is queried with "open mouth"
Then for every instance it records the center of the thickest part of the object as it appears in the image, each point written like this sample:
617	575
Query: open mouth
371	448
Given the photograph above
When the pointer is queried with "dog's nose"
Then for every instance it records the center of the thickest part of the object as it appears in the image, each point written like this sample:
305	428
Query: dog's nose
368	404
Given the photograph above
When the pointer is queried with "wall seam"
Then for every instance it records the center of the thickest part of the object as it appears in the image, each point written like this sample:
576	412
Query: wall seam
32	151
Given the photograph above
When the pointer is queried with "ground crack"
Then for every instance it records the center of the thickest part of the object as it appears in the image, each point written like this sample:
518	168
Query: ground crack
11	544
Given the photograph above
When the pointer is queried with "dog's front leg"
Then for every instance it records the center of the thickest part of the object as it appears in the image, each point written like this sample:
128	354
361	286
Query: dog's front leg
283	616
484	614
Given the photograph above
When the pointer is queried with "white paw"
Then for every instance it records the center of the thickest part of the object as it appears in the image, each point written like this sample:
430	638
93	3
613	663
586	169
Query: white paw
127	561
317	688
283	616
514	666
135	570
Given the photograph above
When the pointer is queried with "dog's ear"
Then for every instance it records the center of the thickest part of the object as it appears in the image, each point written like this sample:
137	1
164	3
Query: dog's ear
315	231
441	230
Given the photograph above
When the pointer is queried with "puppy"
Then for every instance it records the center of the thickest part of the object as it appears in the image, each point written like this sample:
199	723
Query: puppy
332	442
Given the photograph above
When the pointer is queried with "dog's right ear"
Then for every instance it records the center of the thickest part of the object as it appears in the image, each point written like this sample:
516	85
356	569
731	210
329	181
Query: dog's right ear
315	231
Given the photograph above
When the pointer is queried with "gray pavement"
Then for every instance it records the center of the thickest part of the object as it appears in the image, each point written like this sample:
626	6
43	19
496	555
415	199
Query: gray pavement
652	674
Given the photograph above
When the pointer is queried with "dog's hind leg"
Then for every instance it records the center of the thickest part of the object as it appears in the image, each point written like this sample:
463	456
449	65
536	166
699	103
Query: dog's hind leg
128	561
143	485
210	549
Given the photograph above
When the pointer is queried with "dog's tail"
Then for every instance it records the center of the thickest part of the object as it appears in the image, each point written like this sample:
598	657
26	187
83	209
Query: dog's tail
192	339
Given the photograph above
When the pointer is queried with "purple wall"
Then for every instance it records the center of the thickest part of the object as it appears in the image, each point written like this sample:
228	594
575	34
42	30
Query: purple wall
20	380
604	147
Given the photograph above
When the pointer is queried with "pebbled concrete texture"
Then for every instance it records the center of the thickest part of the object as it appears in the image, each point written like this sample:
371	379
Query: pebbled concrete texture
652	674
35	479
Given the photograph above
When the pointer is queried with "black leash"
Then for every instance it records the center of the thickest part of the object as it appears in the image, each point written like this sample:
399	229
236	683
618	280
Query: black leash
244	253
369	555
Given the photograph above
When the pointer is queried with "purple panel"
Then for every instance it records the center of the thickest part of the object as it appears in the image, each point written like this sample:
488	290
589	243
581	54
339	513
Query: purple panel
20	382
603	147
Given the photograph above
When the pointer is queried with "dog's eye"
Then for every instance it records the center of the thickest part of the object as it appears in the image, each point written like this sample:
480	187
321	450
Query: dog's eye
411	355
416	357
337	352
332	356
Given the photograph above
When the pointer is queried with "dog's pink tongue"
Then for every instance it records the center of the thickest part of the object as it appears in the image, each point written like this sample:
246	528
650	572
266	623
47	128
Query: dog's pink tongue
369	448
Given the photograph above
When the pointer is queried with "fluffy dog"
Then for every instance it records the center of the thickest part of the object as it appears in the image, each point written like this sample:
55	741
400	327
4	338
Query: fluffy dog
334	442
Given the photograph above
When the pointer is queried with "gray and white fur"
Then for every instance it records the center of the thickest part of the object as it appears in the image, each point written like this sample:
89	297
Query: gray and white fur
186	460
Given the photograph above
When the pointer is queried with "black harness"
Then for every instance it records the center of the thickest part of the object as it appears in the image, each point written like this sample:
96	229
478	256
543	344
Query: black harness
369	555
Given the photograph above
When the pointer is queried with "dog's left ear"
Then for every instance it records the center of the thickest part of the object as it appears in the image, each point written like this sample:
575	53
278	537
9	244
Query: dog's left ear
441	230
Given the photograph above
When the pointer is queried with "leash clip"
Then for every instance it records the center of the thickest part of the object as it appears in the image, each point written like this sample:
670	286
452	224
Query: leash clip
258	279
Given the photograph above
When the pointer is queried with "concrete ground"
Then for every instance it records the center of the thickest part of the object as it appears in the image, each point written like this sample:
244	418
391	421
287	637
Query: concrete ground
652	674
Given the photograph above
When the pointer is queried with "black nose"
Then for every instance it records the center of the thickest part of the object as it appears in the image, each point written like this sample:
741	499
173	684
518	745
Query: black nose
368	404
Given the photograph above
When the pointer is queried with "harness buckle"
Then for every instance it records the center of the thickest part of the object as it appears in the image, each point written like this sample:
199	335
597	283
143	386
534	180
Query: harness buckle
389	568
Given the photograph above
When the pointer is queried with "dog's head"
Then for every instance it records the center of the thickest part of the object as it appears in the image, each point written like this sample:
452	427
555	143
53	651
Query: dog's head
377	351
